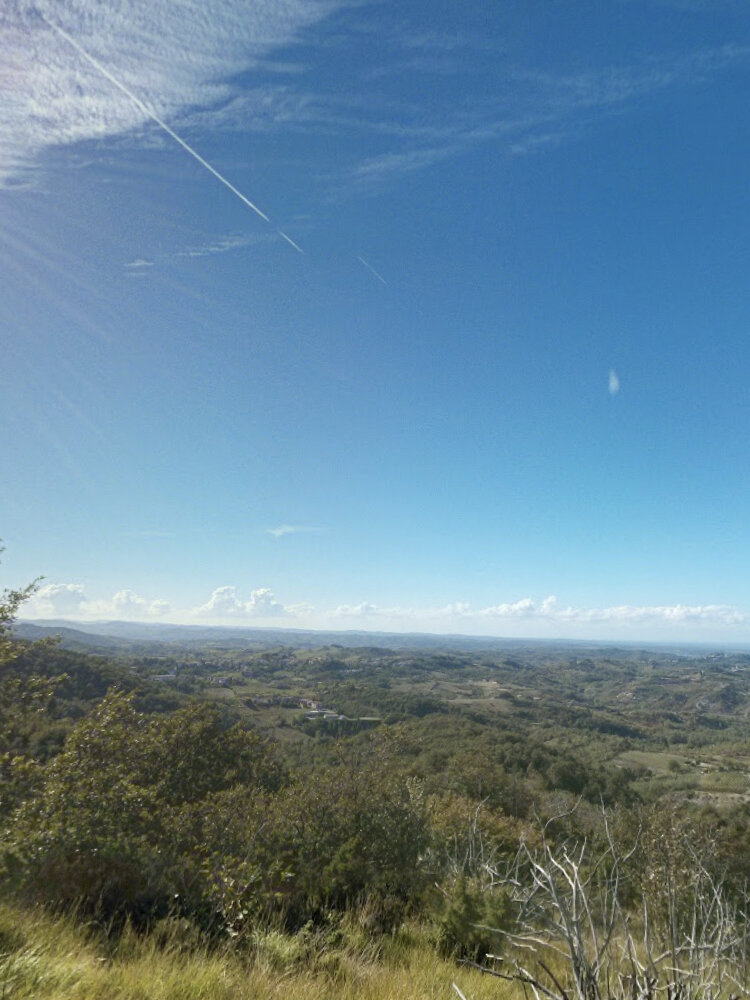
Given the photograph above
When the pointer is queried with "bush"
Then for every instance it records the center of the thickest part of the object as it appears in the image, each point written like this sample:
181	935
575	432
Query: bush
472	920
117	818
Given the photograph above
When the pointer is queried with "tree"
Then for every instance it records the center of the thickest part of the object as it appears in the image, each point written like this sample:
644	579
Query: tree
23	701
352	832
115	824
10	602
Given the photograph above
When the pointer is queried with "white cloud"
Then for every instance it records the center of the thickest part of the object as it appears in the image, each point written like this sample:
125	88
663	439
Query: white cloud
674	617
457	608
263	604
525	608
356	610
676	614
172	56
56	600
182	61
224	603
290	529
301	610
404	161
126	603
614	382
534	109
69	600
525	616
224	244
529	617
548	609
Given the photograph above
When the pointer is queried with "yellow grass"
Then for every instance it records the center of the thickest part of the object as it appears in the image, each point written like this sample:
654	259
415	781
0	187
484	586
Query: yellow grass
47	958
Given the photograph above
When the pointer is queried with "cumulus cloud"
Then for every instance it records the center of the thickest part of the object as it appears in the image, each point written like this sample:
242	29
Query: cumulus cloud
549	612
614	382
57	600
711	614
224	603
173	57
457	608
301	610
127	602
547	617
525	608
263	604
525	616
356	610
69	600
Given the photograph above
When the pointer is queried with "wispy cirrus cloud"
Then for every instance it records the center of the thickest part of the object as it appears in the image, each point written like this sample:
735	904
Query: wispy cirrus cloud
171	56
186	62
224	244
281	530
534	109
403	162
210	247
138	268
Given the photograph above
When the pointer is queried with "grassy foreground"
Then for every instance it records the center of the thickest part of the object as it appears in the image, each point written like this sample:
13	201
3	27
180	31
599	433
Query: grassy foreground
48	958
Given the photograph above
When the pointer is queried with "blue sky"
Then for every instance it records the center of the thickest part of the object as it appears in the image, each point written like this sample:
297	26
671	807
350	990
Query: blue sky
502	390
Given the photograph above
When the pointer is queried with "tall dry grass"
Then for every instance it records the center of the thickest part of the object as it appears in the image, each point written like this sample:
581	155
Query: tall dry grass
52	958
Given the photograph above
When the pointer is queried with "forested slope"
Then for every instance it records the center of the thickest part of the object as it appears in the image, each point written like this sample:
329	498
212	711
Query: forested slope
306	791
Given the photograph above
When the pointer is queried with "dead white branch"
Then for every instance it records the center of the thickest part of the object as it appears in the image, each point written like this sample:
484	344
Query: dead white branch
573	920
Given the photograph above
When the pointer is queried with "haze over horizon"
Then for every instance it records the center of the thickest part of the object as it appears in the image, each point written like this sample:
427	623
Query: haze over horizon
393	317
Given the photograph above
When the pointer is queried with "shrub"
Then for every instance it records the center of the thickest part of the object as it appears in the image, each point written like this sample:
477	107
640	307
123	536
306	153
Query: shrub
473	920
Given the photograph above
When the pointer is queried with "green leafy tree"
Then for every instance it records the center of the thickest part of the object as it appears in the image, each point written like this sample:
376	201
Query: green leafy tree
354	829
113	825
24	700
10	602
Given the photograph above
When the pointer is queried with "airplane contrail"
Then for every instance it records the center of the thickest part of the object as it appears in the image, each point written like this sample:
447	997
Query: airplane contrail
162	124
290	241
372	270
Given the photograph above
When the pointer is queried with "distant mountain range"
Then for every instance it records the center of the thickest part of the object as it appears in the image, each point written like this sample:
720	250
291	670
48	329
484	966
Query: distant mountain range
116	634
112	637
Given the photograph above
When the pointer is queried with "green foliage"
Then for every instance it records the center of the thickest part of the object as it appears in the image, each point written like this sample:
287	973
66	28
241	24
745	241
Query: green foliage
348	832
85	679
10	602
106	829
24	705
473	919
121	799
